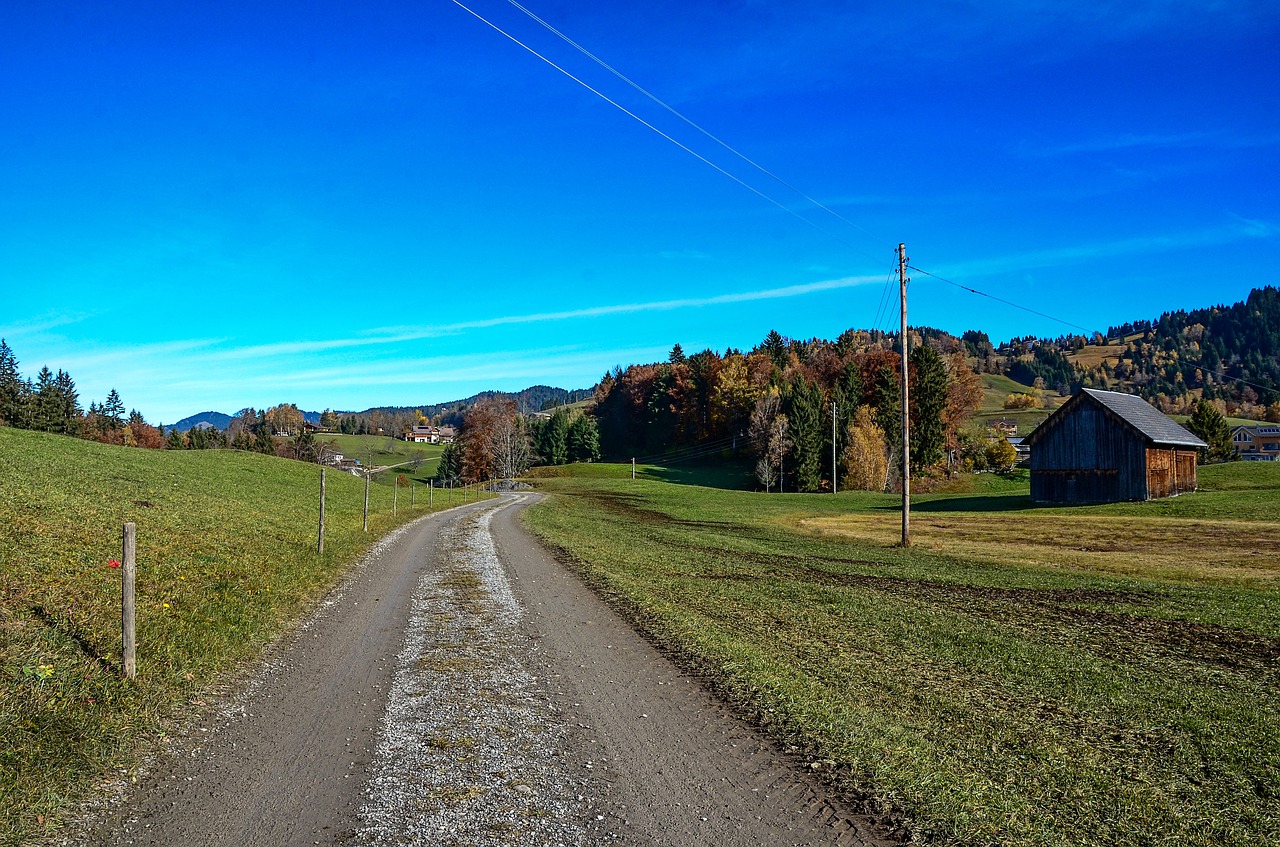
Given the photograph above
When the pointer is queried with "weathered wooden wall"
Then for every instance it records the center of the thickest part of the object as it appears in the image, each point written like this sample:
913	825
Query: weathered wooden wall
1170	471
1088	456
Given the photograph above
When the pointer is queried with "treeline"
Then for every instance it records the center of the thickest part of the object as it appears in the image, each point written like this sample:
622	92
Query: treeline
535	398
1229	355
51	403
497	441
779	401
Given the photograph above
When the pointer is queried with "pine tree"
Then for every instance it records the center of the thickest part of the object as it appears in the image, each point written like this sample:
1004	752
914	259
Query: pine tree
1212	428
584	439
803	408
776	347
928	397
12	396
46	407
69	402
113	410
263	442
553	439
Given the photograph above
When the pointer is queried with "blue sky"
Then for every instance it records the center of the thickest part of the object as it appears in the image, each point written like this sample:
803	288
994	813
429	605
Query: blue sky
207	206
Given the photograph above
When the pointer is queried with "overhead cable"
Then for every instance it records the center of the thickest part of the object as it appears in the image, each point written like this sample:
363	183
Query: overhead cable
647	124
642	90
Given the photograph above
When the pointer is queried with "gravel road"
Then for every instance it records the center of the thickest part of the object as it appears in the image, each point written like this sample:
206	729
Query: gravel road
462	688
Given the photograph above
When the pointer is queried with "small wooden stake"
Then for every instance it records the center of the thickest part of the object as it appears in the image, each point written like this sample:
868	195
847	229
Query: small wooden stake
320	544
130	573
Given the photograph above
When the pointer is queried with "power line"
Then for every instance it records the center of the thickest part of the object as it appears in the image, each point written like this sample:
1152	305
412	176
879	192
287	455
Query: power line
650	126
998	299
602	63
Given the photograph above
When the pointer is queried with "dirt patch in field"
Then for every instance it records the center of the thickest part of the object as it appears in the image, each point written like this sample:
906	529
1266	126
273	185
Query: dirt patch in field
1071	617
1104	621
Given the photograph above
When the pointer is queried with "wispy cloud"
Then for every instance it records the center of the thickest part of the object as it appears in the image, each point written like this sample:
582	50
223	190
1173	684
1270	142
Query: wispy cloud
41	324
405	334
1152	141
1242	230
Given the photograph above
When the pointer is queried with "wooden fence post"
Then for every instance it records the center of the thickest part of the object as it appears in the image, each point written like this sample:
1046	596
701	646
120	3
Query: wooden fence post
395	495
128	617
431	492
320	544
366	500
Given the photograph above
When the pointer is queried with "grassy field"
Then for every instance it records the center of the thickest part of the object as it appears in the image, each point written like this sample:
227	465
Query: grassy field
1100	675
384	450
996	387
226	562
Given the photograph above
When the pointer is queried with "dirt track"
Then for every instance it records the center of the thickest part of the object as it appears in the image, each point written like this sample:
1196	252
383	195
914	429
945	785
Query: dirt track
463	688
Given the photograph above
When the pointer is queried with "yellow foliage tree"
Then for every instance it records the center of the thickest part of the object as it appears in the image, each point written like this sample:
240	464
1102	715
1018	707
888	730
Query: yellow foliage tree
865	459
1023	401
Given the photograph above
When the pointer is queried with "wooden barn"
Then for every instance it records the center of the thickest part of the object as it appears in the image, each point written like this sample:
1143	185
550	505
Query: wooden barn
1103	446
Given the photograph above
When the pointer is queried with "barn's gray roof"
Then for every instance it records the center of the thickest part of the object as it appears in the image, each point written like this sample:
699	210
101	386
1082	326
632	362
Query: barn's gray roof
1145	418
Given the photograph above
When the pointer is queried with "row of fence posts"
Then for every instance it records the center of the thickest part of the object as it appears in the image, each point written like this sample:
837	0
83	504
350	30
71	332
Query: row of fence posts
129	563
395	500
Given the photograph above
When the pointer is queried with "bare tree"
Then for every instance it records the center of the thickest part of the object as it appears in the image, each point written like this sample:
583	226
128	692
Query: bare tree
513	449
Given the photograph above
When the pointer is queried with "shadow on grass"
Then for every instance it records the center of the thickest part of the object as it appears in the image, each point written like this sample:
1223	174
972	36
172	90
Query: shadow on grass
731	476
88	649
976	503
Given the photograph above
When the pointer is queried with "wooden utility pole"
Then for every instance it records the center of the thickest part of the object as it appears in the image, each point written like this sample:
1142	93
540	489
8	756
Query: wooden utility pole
129	639
906	416
833	447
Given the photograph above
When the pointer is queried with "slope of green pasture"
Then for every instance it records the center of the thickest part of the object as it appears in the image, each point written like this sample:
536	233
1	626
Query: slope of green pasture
226	561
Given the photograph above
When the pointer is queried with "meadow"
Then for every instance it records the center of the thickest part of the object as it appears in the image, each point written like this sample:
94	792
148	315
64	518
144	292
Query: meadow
227	562
381	450
1101	675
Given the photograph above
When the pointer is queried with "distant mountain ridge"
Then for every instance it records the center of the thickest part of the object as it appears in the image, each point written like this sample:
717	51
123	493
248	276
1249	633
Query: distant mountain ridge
530	399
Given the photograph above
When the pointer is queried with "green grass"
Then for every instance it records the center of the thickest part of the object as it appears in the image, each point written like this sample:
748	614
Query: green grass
1025	676
226	563
385	450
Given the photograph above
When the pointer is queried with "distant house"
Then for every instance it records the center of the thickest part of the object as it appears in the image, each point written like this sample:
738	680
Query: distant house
1003	426
447	434
1104	446
1260	443
423	435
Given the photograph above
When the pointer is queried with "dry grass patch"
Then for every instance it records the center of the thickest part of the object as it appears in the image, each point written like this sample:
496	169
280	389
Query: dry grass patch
1235	552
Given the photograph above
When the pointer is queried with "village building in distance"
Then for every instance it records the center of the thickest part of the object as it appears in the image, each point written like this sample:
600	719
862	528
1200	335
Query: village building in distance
431	434
1104	447
1260	443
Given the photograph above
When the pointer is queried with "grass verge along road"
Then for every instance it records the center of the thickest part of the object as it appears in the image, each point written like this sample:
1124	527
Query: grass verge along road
226	563
1022	676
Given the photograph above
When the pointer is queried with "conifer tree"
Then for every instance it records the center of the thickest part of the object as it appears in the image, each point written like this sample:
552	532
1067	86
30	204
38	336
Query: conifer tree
803	408
928	401
12	394
1212	428
584	439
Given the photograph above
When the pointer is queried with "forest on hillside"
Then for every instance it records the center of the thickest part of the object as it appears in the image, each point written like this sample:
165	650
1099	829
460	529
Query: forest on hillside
790	402
1229	355
811	414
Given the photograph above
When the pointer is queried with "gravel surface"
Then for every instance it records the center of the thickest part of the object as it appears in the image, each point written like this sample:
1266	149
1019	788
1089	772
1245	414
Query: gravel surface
463	688
472	750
